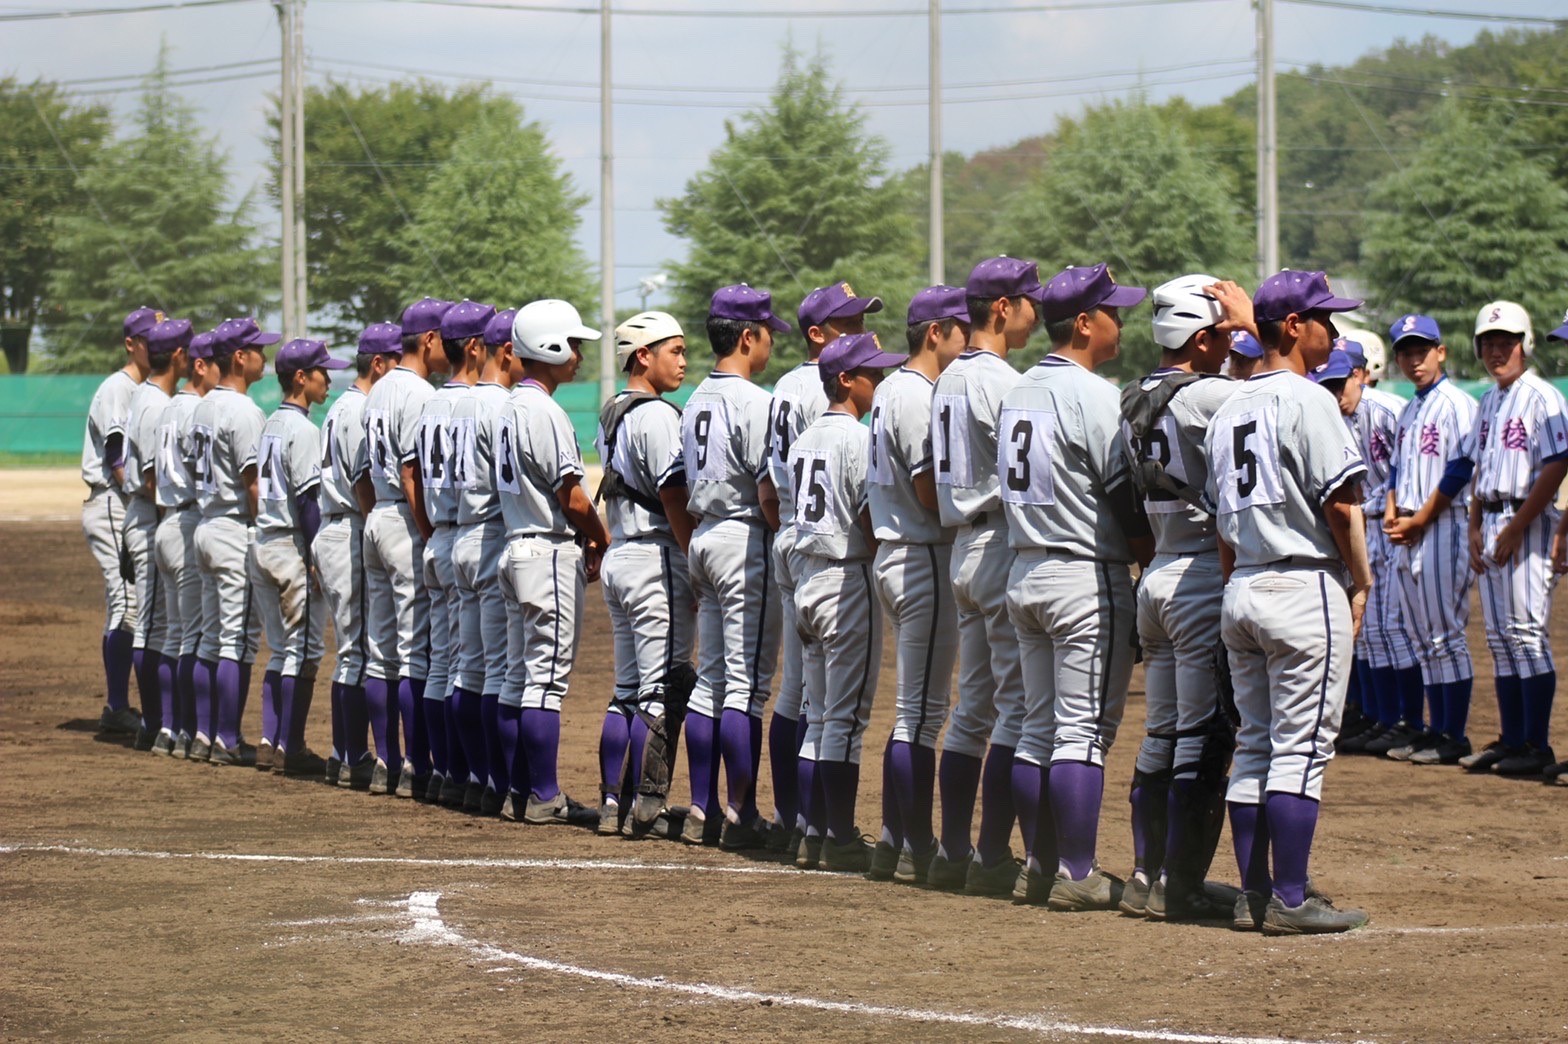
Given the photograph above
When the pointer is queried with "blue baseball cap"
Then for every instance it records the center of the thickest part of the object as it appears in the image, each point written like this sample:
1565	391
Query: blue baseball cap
201	345
1420	326
936	303
499	329
1246	345
1561	333
1004	277
140	322
466	319
169	336
854	352
424	315
233	334
1073	291
837	301
1353	351
381	339
302	353
744	304
1338	367
1296	293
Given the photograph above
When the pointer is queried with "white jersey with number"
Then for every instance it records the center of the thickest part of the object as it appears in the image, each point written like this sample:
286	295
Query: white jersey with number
288	466
724	439
107	415
1277	450
1060	449
798	400
965	408
392	413
901	452
473	430
827	468
648	458
225	427
1179	526
1376	427
141	435
172	465
535	452
1516	430
1432	430
342	453
439	462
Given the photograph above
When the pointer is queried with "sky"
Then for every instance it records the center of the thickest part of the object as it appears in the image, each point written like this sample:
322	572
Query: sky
1006	74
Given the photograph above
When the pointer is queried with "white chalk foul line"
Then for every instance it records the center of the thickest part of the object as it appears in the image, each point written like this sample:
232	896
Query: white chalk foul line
429	928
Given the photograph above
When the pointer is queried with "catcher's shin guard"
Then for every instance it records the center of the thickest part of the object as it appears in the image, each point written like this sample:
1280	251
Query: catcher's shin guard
1151	809
658	756
1202	808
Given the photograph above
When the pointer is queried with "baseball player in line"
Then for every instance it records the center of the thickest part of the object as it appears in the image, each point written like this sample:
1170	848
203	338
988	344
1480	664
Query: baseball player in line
396	529
1425	521
479	657
1003	296
913	563
1284	476
836	604
339	557
462	341
166	361
826	313
225	427
1519	446
103	517
646	582
175	544
1075	525
724	444
555	543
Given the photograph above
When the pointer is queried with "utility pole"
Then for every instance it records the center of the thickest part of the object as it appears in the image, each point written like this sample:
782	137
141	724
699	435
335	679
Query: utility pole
291	127
1268	146
606	214
301	308
936	246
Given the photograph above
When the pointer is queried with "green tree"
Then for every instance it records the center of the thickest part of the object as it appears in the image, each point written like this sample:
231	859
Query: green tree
1123	186
798	195
498	220
160	231
369	154
1456	228
36	187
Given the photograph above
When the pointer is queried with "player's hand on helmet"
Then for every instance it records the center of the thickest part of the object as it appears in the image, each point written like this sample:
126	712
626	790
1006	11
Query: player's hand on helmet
1507	542
1237	304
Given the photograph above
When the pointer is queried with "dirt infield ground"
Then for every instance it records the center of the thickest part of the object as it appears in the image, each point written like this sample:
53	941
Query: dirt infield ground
144	897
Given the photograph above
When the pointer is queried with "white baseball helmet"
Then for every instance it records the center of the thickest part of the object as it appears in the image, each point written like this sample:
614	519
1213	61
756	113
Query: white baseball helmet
641	330
542	330
1181	309
1373	348
1507	317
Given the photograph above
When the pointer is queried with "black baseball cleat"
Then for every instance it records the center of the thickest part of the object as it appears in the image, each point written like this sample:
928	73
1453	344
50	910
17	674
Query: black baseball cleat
884	862
122	722
474	798
1400	735
1485	759
1529	760
736	837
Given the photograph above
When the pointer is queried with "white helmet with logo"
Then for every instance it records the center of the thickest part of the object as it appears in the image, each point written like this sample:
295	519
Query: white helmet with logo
542	331
1182	308
1373	348
1507	317
641	330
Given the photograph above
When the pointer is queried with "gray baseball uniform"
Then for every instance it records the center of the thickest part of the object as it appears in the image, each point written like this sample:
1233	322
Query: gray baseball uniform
141	516
1060	453
175	539
647	585
397	640
724	435
1277	450
798	400
338	547
439	465
225	427
293	610
541	570
479	664
103	512
914	557
1385	635
965	410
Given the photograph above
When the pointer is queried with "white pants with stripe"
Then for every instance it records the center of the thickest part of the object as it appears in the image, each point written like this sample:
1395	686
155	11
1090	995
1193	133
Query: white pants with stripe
228	601
917	595
542	580
103	522
293	610
1179	598
990	679
340	569
1385	632
1516	597
441	585
479	660
1434	588
647	588
841	635
174	546
731	564
152	610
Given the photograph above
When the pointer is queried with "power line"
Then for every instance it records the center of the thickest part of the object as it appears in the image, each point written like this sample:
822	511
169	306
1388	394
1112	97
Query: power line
175	85
86	12
171	72
1430	12
763	13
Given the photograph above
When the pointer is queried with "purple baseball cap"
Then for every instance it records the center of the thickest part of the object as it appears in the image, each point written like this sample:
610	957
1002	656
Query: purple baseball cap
743	304
169	336
381	339
1353	350
140	322
1338	367
1244	344
499	329
304	354
1423	327
466	319
856	351
1073	291
234	334
1004	277
837	301
424	315
936	303
1295	293
201	345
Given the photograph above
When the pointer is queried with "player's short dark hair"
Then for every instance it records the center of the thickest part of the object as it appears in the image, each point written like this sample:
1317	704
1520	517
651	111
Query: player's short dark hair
724	334
1334	386
832	389
159	363
224	361
915	336
411	343
453	349
363	362
286	378
1060	331
1269	331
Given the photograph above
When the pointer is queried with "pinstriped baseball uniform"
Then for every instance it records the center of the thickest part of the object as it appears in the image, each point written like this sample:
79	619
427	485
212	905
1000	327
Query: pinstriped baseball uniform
798	400
224	429
541	570
338	547
1385	634
397	627
439	469
839	615
1179	594
914	556
724	443
646	581
1277	450
103	513
1435	574
293	611
479	662
1517	430
1060	450
965	410
175	539
141	515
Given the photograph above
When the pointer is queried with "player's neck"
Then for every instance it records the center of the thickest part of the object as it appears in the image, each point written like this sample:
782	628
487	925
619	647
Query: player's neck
1177	361
134	372
297	401
1273	359
168	380
1083	355
363	383
993	341
847	408
736	363
638	382
235	382
467	375
926	364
